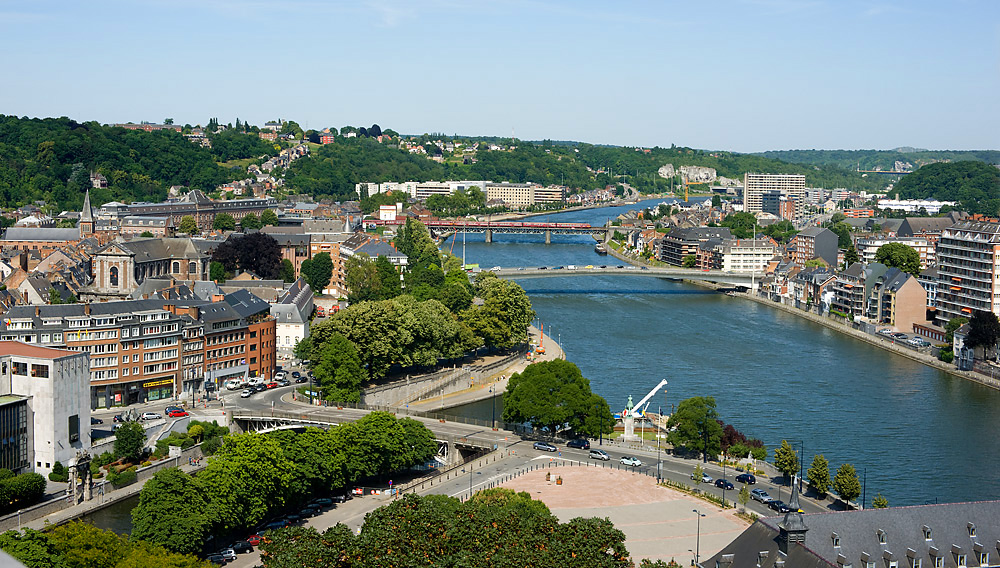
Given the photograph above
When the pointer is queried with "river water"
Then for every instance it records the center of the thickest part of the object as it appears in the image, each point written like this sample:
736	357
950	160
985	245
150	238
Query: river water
917	434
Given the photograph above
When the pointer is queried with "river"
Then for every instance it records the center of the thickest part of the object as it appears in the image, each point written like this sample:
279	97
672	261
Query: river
916	434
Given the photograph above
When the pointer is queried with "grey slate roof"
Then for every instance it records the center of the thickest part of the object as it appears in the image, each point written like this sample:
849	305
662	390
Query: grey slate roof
246	304
954	528
41	234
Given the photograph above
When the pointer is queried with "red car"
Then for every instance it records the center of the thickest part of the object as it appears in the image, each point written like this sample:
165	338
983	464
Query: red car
272	385
253	540
178	413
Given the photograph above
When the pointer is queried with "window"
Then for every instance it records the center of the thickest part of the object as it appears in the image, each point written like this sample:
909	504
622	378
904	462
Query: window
74	428
961	561
125	372
984	558
836	540
939	562
177	267
20	369
881	536
40	371
918	563
192	267
972	529
114	276
927	532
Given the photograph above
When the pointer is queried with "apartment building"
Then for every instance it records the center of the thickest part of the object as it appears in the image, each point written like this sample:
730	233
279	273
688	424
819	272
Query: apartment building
44	407
745	255
681	243
756	185
815	242
968	263
868	247
145	350
522	194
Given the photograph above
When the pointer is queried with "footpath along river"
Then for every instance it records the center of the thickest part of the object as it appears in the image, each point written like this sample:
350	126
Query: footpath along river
921	434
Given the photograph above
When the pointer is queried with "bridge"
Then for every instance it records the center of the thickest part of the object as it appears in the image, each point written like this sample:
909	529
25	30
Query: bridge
511	227
735	278
455	441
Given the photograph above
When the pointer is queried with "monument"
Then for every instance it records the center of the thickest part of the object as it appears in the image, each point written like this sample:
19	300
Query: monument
629	419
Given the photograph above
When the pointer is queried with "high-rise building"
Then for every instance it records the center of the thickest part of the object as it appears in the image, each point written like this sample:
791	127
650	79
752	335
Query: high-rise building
968	269
755	185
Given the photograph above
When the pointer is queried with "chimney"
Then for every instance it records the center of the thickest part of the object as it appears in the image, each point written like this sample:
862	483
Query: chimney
217	298
38	311
194	312
86	309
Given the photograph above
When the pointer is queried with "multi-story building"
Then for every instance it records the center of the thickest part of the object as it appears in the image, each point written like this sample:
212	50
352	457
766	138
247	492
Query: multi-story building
291	314
780	205
44	411
197	205
680	243
929	228
121	267
294	246
902	301
150	127
521	194
429	188
135	225
968	257
815	242
868	247
859	213
755	185
745	255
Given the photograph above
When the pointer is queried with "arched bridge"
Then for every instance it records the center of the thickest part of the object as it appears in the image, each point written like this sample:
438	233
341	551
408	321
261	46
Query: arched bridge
510	227
741	278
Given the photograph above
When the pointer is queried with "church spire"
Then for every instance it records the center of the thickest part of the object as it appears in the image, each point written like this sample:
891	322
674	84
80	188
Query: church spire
792	528
86	223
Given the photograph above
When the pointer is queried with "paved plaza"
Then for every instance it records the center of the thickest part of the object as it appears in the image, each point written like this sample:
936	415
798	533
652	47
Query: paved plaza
659	523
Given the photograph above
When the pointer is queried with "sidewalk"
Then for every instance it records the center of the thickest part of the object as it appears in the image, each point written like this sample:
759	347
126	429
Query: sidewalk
497	383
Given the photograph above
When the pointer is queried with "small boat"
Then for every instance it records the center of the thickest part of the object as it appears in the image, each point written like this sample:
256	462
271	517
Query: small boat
601	248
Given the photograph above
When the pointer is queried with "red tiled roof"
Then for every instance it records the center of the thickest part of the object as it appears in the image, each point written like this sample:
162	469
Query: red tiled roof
25	350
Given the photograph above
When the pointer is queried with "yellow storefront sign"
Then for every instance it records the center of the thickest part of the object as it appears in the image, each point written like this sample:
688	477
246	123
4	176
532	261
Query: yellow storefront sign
158	383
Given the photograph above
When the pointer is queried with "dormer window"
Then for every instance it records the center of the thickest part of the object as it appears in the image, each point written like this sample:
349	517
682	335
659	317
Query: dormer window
836	540
927	532
972	529
881	536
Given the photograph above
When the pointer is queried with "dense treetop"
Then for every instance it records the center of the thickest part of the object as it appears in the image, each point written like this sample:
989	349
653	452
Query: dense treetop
884	159
51	159
975	185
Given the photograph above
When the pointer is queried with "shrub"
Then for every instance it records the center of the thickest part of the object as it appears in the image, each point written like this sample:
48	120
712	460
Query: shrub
59	473
211	445
147	463
124	477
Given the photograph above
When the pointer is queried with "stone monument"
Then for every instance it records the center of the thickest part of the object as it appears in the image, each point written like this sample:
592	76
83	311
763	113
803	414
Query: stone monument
629	421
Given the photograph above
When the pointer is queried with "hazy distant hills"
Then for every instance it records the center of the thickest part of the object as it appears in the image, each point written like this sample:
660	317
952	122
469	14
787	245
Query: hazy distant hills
880	159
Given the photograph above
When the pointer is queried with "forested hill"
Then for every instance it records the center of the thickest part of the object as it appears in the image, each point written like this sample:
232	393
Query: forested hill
51	159
334	169
879	159
975	185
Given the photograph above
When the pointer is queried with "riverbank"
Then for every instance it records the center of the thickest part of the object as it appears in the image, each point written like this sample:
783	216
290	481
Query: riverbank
836	325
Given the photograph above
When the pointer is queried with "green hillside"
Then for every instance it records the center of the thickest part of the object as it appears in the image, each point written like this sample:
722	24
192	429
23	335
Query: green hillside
879	159
975	185
51	159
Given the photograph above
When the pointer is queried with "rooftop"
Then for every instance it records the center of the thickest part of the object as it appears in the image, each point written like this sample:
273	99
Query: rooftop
24	350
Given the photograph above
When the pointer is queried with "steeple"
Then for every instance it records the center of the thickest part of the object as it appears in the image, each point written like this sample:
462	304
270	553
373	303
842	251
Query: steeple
793	528
86	223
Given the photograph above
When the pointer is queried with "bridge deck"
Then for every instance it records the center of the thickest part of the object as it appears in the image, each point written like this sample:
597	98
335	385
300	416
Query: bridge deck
681	273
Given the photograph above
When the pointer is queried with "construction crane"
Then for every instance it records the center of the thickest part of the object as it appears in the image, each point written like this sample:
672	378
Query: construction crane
636	412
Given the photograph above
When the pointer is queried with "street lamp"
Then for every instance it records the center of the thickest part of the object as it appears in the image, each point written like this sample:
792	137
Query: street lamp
697	542
493	397
659	417
600	422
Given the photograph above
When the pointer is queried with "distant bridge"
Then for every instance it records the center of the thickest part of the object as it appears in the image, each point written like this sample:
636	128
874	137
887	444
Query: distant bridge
741	278
511	227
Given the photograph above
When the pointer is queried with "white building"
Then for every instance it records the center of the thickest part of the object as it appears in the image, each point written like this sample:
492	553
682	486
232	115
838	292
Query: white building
931	206
755	185
746	255
926	249
291	315
55	383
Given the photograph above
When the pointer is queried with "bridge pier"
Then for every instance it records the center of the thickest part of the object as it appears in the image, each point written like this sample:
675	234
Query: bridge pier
548	236
489	236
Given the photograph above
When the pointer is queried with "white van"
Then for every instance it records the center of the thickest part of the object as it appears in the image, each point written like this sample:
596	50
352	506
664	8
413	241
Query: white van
234	384
254	381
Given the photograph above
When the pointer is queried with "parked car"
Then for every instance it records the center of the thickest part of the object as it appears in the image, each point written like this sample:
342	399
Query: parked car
778	506
300	380
296	374
247	393
95	421
723	484
150	416
309	511
253	540
544	446
495	268
599	455
747	478
760	495
241	546
229	554
705	478
271	385
578	443
216	559
179	413
630	461
171	408
275	525
259	388
322	502
283	382
293	519
117	418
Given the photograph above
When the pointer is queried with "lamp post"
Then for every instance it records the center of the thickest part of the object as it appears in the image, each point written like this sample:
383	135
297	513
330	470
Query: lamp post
493	397
724	480
656	431
600	422
697	542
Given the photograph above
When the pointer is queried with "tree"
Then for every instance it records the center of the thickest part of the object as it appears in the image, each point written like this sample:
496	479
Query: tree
786	459
716	201
846	483
819	475
245	480
984	330
269	217
362	279
55	297
146	235
952	327
224	222
251	221
552	395
843	232
899	255
216	271
318	271
171	512
851	256
287	271
741	224
34	549
188	226
388	277
744	496
502	321
880	502
255	252
129	441
695	427
690	261
338	370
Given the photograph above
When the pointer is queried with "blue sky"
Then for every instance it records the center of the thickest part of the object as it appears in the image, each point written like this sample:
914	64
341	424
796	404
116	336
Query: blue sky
745	75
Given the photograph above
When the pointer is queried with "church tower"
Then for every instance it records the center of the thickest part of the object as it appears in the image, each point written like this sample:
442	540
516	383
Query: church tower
86	224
